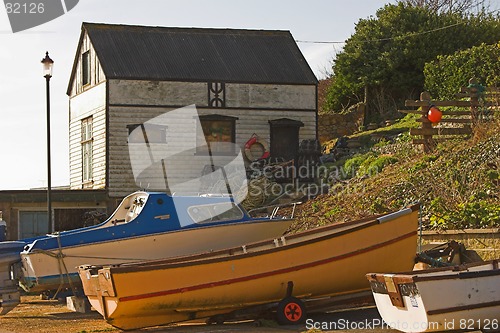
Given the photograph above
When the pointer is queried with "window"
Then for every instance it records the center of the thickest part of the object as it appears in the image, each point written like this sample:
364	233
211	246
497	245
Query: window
224	211
86	68
147	133
219	134
32	224
87	146
97	72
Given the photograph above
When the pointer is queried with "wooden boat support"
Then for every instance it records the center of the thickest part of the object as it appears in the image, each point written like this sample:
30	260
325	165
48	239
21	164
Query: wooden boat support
284	275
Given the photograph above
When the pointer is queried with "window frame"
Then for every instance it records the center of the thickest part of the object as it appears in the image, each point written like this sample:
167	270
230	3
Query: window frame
86	68
161	130
212	216
87	149
202	150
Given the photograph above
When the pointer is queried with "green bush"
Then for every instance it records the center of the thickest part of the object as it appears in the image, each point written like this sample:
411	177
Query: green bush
445	75
352	165
423	163
381	162
420	165
472	214
332	212
364	168
373	165
367	164
387	53
493	175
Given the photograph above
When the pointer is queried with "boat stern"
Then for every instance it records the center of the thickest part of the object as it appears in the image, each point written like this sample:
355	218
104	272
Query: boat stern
399	302
9	292
98	287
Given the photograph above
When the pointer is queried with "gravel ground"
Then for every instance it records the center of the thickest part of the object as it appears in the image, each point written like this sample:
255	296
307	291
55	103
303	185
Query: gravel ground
45	316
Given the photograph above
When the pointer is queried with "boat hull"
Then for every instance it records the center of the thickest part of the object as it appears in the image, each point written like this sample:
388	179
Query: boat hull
324	262
460	298
46	270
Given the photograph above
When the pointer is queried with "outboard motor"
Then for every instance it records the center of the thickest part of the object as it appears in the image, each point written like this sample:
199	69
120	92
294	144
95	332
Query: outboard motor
9	255
9	293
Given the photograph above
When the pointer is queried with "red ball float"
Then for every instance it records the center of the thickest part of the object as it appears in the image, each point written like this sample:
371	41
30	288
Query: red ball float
434	115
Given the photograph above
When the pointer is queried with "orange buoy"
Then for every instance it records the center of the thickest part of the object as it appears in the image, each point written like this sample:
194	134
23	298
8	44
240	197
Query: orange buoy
434	115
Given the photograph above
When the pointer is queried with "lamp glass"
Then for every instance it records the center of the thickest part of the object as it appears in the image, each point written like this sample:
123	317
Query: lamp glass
48	65
47	69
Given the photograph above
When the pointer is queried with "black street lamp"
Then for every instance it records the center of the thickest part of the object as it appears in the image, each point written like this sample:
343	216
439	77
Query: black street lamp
48	64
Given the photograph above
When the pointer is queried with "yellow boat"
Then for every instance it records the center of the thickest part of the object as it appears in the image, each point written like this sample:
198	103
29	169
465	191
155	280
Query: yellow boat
324	262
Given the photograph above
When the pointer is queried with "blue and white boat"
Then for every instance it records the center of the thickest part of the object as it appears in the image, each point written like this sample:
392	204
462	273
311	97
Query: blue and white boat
145	226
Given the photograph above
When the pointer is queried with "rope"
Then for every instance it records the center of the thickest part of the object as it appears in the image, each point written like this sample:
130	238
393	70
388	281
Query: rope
401	37
257	192
61	265
60	260
260	189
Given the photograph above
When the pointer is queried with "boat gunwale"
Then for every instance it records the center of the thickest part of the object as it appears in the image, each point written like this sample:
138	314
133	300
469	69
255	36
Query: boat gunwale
463	308
456	272
227	254
460	274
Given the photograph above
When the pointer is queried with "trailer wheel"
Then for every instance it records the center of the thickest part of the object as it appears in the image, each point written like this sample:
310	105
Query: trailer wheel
291	311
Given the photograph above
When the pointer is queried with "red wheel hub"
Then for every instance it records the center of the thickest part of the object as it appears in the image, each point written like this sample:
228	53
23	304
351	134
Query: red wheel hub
293	312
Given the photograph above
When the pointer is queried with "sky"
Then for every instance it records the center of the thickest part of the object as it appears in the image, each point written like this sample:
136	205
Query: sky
23	148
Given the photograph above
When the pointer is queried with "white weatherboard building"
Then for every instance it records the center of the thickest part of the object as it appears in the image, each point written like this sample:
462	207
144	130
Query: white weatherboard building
241	81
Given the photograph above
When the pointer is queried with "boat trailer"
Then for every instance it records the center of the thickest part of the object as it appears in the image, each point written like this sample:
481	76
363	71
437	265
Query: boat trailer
292	310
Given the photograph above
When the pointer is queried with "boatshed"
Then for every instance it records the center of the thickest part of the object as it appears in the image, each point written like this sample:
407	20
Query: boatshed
248	86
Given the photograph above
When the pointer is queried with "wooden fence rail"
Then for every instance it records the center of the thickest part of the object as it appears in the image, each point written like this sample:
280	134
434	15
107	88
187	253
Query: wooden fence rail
481	104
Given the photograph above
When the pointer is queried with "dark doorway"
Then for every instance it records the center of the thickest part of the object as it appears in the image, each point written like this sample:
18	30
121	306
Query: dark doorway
285	138
69	219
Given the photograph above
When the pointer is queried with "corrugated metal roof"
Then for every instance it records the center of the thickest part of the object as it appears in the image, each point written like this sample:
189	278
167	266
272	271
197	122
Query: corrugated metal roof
196	54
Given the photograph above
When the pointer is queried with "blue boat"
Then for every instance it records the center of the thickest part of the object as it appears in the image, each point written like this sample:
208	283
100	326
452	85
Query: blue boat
145	226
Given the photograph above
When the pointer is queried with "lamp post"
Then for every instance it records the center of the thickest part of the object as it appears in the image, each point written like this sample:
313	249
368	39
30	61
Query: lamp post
47	73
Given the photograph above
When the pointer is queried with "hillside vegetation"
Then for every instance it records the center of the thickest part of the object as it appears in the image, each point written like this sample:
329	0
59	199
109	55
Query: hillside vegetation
382	63
458	185
444	74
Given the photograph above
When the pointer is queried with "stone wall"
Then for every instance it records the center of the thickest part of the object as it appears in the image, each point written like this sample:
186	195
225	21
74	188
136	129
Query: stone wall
335	125
486	242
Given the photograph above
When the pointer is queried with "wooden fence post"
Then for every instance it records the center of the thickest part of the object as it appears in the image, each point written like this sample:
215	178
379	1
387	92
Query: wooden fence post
429	144
474	100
